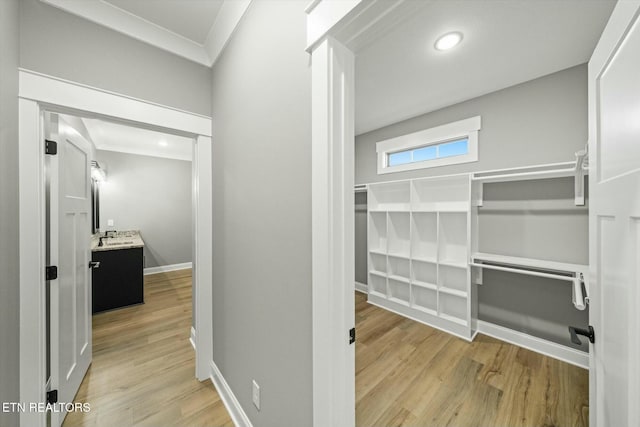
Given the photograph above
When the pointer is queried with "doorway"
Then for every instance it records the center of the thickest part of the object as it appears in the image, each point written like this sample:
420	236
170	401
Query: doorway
38	94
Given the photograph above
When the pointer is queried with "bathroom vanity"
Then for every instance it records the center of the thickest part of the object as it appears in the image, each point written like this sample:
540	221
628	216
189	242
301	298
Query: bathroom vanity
118	279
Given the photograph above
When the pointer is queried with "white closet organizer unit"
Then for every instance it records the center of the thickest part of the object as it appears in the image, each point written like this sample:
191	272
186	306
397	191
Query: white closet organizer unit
423	248
419	233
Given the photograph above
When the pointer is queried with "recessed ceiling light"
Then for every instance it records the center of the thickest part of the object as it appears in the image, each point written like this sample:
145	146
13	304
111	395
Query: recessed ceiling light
163	143
448	41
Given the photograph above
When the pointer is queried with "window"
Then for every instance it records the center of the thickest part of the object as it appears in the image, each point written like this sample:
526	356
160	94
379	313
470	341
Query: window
448	144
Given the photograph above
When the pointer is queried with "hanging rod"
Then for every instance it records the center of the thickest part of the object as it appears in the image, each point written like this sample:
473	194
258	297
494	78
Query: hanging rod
578	298
523	271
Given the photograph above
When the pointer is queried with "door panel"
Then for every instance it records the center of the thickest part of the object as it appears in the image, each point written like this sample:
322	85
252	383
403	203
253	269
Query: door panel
70	227
614	182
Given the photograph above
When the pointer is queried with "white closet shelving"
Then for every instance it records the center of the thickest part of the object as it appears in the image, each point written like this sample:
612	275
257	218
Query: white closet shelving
419	233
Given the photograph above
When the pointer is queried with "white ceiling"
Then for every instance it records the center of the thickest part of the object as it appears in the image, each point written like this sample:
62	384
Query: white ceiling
506	42
128	139
192	19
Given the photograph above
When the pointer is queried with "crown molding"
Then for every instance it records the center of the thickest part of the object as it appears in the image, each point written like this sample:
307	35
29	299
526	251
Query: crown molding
112	17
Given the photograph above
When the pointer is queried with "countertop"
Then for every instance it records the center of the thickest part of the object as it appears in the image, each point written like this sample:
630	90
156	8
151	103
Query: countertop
122	240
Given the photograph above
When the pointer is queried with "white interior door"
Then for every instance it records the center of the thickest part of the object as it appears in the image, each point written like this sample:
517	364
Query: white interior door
70	293
614	216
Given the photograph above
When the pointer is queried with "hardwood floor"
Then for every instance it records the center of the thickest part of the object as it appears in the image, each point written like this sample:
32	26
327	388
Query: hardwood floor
409	374
143	364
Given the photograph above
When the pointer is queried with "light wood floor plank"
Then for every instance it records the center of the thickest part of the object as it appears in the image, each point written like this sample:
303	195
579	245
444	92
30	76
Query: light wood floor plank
143	369
408	374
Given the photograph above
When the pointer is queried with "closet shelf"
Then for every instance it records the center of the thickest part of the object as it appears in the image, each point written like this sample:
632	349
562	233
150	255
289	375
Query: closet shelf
553	170
399	255
398	278
577	274
377	252
378	273
453	263
431	260
424	285
561	267
454	292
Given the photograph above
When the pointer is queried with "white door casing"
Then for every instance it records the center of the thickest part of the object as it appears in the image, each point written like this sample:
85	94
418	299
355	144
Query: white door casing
332	235
69	231
39	93
614	220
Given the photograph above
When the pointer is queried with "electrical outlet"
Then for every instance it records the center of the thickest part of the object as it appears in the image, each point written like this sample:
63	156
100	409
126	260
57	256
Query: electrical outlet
256	395
109	223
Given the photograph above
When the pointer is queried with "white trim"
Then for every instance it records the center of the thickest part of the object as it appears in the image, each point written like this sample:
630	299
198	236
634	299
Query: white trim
227	20
440	134
362	287
136	27
332	222
38	93
192	338
238	416
53	90
539	345
166	268
203	211
323	15
32	261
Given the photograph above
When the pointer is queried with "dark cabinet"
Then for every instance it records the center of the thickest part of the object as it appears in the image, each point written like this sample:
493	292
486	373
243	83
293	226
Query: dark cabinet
118	282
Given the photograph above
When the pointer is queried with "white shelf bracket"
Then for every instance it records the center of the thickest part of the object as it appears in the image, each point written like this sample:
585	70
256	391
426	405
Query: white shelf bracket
581	168
478	193
476	275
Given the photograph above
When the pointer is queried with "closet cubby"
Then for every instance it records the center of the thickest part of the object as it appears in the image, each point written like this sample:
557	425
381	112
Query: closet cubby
453	280
399	228
398	268
378	263
441	194
389	196
453	238
453	308
377	284
424	273
399	291
424	236
425	299
377	238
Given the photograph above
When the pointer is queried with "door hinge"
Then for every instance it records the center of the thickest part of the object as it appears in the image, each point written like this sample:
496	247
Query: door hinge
51	272
352	335
50	147
52	397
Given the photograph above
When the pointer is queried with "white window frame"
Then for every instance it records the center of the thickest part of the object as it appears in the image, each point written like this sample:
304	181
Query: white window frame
467	128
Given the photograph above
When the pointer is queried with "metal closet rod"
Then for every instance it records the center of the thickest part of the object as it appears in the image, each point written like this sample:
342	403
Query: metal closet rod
524	271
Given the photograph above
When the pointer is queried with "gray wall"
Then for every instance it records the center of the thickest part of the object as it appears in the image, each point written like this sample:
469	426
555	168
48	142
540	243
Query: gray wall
153	195
361	237
57	43
262	214
540	121
9	257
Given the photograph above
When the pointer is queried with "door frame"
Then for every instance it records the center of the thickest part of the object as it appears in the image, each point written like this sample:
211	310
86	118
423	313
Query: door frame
39	93
623	18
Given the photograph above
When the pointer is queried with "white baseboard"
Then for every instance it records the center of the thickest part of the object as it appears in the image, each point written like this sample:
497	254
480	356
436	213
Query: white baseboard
361	287
239	417
539	345
192	338
165	268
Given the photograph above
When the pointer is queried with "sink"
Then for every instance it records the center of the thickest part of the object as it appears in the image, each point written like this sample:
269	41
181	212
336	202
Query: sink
118	243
